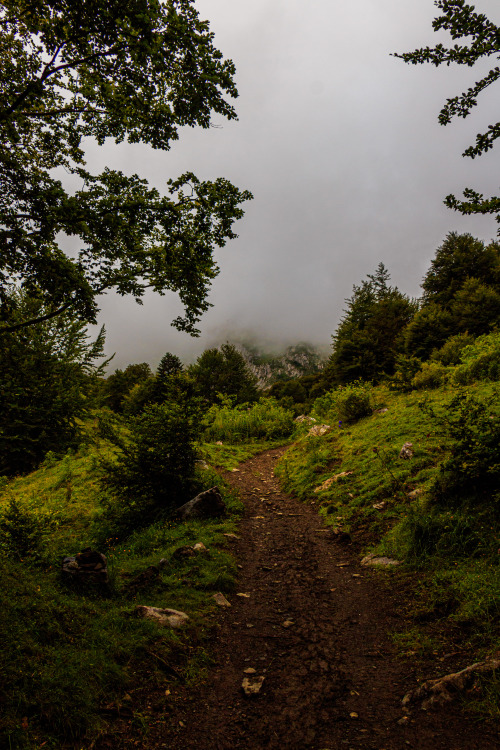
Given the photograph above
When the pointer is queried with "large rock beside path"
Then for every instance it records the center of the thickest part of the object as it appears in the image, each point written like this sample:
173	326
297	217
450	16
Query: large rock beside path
87	565
170	618
208	504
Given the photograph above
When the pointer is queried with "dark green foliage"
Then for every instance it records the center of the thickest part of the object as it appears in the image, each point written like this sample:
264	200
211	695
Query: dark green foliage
136	71
298	394
480	39
461	295
138	397
476	308
118	386
406	369
366	342
223	372
459	258
429	329
23	532
155	471
449	353
166	379
170	364
345	404
471	474
47	383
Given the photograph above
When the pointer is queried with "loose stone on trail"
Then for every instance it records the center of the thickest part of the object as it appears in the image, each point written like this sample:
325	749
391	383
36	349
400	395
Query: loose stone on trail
221	600
251	685
383	562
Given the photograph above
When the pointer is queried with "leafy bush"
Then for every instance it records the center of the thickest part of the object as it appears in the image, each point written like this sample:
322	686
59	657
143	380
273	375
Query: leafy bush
431	375
406	369
23	530
155	470
48	377
472	471
223	371
265	419
428	330
451	351
347	403
480	360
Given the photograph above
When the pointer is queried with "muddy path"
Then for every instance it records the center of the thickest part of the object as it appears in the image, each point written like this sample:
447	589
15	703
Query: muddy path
317	627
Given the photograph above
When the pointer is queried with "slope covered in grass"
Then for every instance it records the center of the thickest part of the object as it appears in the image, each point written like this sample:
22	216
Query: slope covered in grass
436	512
69	654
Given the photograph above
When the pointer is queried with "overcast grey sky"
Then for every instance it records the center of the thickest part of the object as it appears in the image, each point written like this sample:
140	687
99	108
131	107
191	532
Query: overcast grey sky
340	145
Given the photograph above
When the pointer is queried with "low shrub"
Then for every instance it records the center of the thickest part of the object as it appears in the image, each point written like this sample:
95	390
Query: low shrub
471	473
346	403
24	530
264	420
479	361
406	369
451	351
431	375
155	471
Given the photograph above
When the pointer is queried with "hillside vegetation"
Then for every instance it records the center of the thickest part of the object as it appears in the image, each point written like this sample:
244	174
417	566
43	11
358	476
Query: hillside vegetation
436	512
106	462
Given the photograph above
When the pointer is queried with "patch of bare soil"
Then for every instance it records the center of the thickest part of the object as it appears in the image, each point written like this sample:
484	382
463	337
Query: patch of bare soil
316	626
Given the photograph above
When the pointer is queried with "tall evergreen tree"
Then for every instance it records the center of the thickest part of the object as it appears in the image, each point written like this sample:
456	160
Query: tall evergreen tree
223	371
48	374
166	385
366	341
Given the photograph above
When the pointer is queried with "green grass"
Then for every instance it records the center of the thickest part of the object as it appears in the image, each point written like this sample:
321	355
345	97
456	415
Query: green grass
66	651
264	420
453	550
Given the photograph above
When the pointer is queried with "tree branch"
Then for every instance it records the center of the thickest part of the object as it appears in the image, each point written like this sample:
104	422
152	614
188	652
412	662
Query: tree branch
33	321
47	73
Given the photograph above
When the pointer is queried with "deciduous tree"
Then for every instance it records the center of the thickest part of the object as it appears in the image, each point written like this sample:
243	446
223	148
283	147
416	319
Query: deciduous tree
480	39
107	69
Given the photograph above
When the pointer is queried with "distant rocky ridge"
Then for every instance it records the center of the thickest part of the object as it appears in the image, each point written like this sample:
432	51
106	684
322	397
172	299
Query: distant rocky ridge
270	367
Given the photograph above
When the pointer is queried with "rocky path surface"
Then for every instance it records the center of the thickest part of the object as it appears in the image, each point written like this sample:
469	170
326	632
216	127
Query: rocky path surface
315	626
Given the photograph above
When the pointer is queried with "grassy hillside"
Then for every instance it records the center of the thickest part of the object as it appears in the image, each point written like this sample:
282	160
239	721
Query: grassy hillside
72	656
416	509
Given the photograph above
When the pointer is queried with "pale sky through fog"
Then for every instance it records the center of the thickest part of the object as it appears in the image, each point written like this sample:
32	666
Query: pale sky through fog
340	145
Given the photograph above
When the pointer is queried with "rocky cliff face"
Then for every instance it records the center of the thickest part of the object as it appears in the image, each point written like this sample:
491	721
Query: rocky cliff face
295	361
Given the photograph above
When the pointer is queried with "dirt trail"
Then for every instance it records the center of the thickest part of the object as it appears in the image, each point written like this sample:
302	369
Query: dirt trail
332	678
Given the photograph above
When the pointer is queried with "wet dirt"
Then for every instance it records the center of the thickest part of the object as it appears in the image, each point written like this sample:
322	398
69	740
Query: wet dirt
317	627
